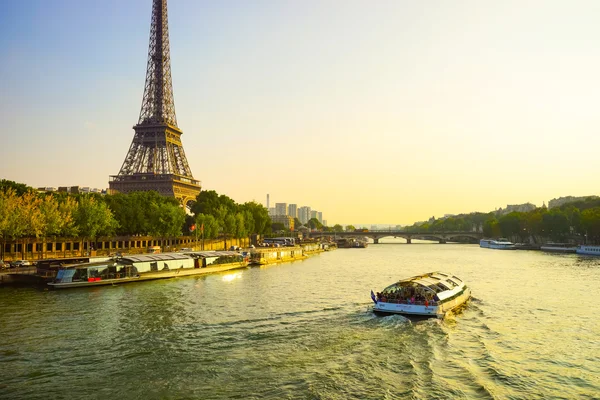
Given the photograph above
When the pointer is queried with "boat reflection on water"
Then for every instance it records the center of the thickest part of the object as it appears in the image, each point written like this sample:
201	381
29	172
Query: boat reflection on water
231	277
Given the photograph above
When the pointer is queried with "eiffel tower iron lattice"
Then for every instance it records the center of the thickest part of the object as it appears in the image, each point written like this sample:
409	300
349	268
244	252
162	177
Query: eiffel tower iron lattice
156	160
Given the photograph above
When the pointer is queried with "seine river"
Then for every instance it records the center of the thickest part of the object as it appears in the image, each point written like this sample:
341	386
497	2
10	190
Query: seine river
303	330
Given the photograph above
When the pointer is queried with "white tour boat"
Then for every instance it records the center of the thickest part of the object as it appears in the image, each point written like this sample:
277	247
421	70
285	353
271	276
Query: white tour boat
432	295
500	244
588	250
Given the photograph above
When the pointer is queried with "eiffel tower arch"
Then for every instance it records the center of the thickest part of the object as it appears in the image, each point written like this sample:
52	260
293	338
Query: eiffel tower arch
156	159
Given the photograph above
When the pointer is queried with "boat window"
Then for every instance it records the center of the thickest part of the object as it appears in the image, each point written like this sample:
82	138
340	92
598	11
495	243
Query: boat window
453	277
436	288
154	266
444	285
452	283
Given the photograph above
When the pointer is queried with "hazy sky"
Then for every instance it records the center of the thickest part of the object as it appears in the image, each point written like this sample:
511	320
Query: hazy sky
374	112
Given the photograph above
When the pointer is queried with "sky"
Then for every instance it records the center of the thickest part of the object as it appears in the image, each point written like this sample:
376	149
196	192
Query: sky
385	112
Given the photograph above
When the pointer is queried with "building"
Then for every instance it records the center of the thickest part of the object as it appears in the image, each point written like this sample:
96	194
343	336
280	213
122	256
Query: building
272	212
320	216
325	222
517	207
567	199
304	214
281	209
286	220
293	210
268	205
313	214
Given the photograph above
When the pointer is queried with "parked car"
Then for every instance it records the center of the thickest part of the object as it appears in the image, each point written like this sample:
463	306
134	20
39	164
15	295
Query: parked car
3	265
19	263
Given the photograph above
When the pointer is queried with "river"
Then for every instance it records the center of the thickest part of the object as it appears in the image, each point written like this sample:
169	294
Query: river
303	330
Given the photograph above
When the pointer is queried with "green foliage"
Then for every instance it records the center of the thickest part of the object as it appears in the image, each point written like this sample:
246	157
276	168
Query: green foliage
338	228
350	228
277	227
19	188
146	213
94	218
232	219
314	223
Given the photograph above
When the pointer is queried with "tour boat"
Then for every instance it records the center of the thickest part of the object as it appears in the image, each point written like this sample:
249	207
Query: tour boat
588	250
559	247
500	244
431	295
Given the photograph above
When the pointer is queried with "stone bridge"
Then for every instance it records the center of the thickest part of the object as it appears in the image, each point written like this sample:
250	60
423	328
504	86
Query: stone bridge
441	237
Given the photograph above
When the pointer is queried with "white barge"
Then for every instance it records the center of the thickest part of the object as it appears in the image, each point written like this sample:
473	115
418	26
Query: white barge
588	250
431	295
146	267
500	244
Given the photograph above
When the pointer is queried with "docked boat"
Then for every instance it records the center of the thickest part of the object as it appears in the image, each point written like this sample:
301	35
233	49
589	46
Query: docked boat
559	247
352	243
588	250
431	295
145	267
500	244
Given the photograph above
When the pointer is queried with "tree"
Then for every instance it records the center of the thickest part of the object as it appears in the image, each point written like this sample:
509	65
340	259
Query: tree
260	217
590	222
314	223
93	218
338	228
211	227
277	227
350	228
297	223
19	188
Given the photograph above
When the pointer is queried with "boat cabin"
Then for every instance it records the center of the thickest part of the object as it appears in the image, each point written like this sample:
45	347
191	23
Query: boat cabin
426	289
92	272
203	259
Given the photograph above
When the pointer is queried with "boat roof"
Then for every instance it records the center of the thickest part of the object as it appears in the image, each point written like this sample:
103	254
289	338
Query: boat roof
155	257
206	254
89	264
431	278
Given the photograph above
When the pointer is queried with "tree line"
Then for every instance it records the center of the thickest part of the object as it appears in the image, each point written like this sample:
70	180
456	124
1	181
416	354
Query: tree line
25	213
575	220
214	215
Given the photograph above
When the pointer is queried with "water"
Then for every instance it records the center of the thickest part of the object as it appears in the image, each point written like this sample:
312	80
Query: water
302	330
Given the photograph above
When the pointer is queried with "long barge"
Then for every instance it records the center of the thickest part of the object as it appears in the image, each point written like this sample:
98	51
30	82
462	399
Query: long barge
140	268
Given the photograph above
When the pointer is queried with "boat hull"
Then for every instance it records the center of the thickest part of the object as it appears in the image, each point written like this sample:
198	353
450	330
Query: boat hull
150	276
420	309
586	250
551	249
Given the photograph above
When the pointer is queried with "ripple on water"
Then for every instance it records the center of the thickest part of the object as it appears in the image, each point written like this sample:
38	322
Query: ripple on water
304	330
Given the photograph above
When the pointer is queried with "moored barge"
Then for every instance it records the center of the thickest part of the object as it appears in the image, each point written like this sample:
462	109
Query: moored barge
138	268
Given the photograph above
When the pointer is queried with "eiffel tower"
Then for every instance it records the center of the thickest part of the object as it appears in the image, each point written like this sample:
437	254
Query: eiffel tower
156	160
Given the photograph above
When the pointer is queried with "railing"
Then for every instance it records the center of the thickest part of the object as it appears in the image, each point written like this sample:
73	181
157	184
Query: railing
415	303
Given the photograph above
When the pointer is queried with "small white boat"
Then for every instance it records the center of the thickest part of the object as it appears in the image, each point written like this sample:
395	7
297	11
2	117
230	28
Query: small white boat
588	250
431	295
559	247
500	244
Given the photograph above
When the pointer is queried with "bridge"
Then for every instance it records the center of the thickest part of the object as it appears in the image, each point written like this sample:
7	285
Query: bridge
441	237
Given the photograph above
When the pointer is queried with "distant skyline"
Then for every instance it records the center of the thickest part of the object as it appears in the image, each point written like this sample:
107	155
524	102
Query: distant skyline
388	111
